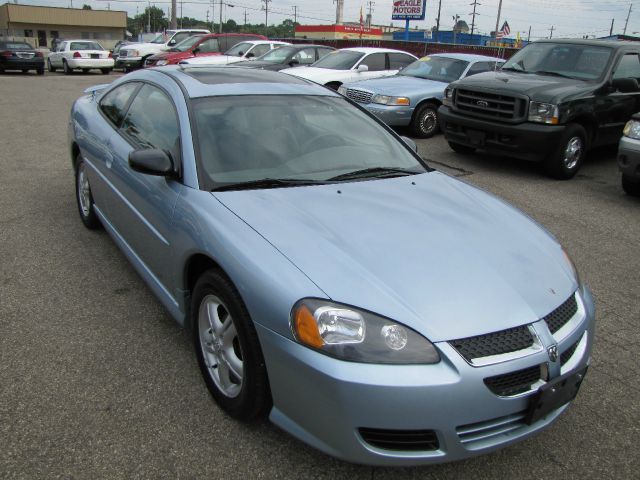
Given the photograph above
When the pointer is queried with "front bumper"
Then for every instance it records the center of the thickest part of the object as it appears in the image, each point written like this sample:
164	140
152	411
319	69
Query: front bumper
90	63
392	115
35	63
130	62
324	402
526	141
629	157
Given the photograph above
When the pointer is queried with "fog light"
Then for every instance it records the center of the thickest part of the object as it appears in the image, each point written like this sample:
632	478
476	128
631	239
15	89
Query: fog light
394	336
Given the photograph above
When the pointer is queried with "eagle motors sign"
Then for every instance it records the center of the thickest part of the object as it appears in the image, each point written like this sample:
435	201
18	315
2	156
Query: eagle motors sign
408	9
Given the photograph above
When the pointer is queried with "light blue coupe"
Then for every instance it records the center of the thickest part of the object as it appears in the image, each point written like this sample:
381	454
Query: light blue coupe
412	96
376	309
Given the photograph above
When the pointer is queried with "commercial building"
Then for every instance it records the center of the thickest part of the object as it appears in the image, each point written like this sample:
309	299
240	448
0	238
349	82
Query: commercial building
40	25
338	32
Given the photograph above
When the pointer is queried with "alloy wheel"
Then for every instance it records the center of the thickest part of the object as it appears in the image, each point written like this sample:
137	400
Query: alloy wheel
573	152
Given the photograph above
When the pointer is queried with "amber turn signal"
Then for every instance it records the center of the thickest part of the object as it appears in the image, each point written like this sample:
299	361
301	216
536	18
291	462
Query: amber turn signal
306	328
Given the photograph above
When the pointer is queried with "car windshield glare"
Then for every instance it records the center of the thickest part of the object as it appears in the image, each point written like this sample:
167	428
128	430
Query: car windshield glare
278	55
441	69
238	49
583	62
187	43
303	138
339	60
85	46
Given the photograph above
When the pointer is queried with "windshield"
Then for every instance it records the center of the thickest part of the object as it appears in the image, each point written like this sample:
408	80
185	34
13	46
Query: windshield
159	39
440	69
16	46
584	62
239	49
85	46
315	139
187	43
339	60
279	55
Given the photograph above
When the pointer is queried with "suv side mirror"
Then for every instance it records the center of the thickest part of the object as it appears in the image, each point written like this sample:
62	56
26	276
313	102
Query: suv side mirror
624	85
363	68
151	162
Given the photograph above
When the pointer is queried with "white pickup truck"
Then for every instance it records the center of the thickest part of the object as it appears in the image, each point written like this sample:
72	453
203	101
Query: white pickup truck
133	55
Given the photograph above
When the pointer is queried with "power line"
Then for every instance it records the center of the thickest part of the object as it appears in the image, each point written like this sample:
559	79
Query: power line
266	12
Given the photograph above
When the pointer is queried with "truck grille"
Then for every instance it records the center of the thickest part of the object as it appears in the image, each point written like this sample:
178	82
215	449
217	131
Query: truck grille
359	95
493	105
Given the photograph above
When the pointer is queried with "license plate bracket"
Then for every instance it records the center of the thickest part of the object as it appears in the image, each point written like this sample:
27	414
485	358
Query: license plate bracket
95	55
476	137
553	395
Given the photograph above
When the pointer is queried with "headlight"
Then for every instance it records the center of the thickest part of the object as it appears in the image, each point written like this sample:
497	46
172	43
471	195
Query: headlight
342	91
632	129
448	97
543	113
160	63
133	53
351	334
387	100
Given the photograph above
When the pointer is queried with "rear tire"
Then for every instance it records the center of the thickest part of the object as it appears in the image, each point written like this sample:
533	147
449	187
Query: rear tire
85	70
66	68
424	123
25	70
40	71
462	149
568	157
631	186
84	198
228	349
50	67
105	71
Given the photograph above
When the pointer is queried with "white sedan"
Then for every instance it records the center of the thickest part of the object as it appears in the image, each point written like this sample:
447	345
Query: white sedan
241	51
80	54
353	65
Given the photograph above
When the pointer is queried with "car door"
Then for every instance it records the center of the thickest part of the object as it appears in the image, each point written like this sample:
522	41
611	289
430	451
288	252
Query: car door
622	105
56	57
143	207
480	67
304	57
376	67
257	50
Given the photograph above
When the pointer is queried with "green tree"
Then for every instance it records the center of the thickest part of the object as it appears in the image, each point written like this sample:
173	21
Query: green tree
86	7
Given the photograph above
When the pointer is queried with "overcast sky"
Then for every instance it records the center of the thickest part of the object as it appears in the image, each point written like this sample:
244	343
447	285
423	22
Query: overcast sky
570	18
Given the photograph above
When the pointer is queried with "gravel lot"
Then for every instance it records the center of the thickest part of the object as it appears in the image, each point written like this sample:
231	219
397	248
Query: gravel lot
96	380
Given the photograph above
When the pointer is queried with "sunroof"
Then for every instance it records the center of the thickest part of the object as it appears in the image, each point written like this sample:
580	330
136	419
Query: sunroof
223	75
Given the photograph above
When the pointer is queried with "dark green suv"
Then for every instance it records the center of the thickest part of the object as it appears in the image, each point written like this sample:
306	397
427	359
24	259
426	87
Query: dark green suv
551	102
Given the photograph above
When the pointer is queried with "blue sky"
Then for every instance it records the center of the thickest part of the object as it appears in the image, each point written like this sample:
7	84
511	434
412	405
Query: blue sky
570	18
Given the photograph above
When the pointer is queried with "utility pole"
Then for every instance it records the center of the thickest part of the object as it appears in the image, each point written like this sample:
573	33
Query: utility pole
295	20
627	20
370	4
181	14
213	16
611	29
174	14
552	29
473	17
149	18
529	36
498	20
245	18
220	25
438	19
455	27
266	12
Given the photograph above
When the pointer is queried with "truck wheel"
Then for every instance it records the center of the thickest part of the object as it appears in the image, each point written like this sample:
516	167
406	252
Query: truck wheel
424	123
463	149
567	159
50	67
631	186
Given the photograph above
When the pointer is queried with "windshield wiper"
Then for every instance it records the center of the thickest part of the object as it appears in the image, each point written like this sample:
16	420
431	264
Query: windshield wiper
266	183
379	172
554	74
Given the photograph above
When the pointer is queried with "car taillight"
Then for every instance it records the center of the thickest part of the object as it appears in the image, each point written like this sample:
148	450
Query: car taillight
6	53
38	54
77	55
110	55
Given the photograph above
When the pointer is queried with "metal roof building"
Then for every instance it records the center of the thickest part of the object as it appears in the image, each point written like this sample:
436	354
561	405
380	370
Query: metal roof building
40	25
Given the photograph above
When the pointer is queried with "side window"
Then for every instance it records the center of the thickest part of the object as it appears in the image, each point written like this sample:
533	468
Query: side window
178	37
480	67
152	122
113	104
259	50
398	61
323	51
376	62
209	46
306	56
629	67
62	47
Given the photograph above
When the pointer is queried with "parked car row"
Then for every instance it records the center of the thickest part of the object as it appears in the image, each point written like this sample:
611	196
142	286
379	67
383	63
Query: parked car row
20	56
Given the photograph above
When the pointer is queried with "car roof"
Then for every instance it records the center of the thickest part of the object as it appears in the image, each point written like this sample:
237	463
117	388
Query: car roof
595	42
373	50
260	42
469	57
207	81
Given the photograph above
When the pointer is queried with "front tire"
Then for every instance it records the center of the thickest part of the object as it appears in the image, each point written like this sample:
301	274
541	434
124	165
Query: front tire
424	123
567	159
462	149
630	186
84	198
227	348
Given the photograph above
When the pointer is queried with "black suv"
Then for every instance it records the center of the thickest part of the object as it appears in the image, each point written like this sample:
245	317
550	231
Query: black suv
550	102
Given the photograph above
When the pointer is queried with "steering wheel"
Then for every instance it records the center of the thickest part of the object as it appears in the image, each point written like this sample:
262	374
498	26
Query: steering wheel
326	140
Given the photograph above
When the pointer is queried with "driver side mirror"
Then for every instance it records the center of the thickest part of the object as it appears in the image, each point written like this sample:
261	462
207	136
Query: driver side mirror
196	50
250	55
624	85
412	145
171	43
151	162
294	62
363	68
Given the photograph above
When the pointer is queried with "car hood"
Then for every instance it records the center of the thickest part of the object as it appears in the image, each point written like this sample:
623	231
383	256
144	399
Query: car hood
541	88
399	85
429	251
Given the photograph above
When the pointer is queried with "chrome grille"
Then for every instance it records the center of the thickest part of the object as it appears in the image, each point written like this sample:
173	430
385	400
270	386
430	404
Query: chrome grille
359	95
494	105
